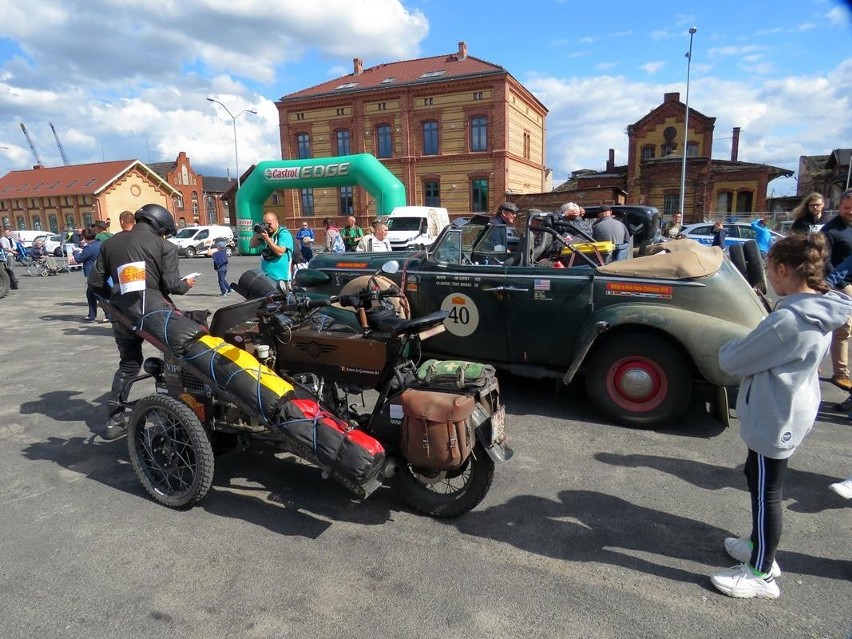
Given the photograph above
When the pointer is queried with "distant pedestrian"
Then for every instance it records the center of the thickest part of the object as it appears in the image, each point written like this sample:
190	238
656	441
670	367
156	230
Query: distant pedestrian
351	234
608	229
808	216
778	399
101	229
87	256
719	235
839	234
333	240
762	235
10	249
220	265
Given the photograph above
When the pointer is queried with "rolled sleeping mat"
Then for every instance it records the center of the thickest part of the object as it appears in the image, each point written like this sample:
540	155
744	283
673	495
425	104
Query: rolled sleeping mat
347	452
159	322
254	284
237	372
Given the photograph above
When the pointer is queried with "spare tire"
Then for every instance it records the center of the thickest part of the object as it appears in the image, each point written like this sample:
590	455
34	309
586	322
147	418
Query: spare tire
737	257
755	267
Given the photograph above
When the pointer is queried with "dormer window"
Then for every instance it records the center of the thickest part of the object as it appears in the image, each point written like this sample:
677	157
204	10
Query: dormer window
432	74
347	85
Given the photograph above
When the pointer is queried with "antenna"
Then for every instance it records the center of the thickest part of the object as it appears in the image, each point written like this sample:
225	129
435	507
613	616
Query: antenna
59	144
32	146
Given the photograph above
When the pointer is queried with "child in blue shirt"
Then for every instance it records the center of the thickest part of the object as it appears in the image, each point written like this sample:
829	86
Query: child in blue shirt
220	265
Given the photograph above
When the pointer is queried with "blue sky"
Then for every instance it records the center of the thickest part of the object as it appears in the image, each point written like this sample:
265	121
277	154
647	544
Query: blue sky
121	83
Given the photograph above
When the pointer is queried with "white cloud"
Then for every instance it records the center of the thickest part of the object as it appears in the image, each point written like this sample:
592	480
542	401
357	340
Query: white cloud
652	67
838	16
606	66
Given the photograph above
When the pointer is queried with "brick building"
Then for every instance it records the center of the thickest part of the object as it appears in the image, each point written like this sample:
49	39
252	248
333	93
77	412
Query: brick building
826	174
200	200
459	132
52	199
652	175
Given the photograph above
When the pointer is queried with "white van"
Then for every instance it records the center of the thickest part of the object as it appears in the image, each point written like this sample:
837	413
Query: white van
197	240
414	227
26	237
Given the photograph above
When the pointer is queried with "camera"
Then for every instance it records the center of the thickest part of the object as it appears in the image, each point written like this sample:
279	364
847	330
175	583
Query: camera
266	227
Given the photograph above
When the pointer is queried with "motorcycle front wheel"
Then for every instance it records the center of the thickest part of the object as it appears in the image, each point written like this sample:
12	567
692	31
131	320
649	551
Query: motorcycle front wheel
447	493
170	451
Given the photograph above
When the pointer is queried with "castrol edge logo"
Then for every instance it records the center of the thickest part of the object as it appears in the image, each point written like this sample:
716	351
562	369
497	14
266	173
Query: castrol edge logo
315	171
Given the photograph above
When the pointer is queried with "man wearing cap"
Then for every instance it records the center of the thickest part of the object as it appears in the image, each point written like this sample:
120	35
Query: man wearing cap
101	230
608	229
505	215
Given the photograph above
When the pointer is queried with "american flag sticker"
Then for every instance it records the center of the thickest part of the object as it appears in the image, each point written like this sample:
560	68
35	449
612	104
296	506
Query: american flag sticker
541	285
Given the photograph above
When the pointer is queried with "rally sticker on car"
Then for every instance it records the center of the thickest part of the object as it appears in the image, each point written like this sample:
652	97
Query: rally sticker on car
636	289
464	316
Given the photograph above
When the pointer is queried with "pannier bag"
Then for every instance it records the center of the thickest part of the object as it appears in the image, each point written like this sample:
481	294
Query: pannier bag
349	453
436	432
455	373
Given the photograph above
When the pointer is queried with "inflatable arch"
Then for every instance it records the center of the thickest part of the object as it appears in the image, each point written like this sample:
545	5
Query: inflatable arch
362	169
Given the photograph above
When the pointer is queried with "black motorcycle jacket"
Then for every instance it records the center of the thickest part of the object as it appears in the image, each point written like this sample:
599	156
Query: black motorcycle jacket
140	244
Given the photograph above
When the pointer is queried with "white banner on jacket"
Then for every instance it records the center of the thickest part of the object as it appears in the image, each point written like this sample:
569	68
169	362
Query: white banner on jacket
131	277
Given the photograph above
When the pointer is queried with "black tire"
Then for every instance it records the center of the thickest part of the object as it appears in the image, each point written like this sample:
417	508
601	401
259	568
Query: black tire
445	494
639	380
190	252
5	281
737	257
170	451
755	267
57	252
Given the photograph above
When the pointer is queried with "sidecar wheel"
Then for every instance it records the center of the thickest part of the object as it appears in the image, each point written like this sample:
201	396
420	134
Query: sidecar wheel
170	451
448	493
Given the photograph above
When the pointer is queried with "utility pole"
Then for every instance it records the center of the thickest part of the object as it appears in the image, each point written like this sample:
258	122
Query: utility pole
59	144
32	146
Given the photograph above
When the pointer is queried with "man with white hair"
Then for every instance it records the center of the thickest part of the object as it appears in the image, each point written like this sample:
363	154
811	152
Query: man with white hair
571	213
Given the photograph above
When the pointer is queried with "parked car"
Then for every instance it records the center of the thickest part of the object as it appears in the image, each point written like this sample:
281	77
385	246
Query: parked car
737	233
645	331
197	240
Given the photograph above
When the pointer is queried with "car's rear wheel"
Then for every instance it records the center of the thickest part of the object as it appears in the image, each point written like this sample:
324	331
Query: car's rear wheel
755	268
190	252
639	380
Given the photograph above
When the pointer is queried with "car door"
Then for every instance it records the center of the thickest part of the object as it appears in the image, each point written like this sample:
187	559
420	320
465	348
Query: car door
473	293
545	306
702	234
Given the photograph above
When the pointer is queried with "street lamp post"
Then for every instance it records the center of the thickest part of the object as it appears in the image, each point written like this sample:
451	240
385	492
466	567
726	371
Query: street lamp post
692	31
234	119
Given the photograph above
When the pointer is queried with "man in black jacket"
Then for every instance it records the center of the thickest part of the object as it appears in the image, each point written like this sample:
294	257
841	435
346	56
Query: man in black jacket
838	232
145	242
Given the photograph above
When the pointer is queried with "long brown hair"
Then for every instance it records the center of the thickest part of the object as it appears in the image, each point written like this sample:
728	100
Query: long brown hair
804	206
806	254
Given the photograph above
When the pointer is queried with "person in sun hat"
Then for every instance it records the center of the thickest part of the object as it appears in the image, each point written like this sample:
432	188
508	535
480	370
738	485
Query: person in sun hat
101	230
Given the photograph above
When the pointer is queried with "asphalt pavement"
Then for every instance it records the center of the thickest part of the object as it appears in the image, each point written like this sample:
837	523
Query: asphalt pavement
591	530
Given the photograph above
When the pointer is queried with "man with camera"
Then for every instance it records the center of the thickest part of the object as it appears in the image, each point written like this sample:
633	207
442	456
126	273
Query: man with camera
276	256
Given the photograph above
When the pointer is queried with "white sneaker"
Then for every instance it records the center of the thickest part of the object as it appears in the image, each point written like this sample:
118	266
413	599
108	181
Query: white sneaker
740	549
742	583
843	488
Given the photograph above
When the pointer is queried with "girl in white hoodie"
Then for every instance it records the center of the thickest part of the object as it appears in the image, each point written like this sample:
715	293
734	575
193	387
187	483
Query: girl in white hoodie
778	398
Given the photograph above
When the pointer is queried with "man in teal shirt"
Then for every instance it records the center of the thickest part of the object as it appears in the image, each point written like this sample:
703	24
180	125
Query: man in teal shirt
276	256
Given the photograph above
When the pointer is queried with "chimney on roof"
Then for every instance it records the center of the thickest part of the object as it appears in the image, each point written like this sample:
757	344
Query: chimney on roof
359	66
735	144
671	97
610	163
38	166
462	54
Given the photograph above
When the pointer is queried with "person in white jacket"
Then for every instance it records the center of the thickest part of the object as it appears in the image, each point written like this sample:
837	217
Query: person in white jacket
778	398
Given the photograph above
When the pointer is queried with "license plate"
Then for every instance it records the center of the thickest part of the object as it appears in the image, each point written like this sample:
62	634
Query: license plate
498	425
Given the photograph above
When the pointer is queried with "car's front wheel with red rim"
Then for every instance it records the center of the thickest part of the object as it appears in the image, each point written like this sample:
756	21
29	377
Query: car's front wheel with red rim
639	380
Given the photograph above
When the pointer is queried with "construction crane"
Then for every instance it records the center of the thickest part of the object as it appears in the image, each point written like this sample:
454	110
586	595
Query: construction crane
32	146
59	144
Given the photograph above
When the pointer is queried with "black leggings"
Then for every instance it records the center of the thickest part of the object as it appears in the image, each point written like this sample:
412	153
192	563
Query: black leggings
765	478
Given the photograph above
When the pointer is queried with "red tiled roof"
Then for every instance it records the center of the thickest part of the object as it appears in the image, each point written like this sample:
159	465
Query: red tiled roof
405	72
76	179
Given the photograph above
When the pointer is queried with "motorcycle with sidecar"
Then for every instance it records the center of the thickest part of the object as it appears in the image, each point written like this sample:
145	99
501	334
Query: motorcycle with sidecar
280	369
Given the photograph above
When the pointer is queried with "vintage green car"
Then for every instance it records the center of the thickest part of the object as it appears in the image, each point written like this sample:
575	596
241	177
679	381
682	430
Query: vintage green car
644	331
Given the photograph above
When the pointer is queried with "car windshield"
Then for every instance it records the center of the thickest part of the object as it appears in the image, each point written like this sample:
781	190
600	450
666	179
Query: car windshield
405	223
185	233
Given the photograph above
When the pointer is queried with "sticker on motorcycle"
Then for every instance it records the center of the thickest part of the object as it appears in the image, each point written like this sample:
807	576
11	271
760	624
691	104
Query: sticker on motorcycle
464	316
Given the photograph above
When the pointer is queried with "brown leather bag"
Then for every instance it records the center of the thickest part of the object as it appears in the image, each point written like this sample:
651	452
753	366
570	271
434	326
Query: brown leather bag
435	431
